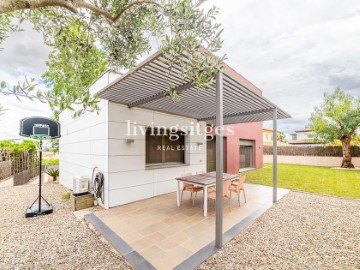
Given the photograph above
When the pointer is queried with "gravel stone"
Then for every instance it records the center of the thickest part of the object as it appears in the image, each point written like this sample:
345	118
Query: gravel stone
303	231
55	241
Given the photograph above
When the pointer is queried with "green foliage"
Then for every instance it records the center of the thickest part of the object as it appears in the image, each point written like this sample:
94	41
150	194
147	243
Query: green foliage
338	116
320	180
6	26
72	68
89	37
50	161
16	146
281	136
53	173
54	145
66	195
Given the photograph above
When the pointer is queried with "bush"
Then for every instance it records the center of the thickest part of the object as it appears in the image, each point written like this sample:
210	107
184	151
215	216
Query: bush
50	161
66	195
17	146
54	173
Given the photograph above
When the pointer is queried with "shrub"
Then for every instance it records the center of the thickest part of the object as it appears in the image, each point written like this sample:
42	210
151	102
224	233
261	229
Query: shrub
54	173
19	146
66	195
50	161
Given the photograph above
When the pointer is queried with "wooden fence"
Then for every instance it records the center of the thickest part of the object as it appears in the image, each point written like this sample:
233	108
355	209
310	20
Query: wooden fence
315	151
23	177
5	164
5	169
23	165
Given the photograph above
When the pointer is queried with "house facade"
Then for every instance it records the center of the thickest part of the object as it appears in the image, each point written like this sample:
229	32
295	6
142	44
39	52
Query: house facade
303	137
120	142
267	135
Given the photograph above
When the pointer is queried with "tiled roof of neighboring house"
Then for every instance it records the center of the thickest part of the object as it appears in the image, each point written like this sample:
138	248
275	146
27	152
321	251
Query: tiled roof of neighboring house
303	130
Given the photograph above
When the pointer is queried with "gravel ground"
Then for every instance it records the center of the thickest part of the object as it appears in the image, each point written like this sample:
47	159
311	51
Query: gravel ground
56	241
303	231
8	182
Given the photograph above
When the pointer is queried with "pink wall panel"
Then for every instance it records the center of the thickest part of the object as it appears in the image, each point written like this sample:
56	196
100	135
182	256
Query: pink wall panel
247	131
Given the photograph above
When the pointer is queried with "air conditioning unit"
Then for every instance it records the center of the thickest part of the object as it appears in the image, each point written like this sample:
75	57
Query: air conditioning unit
80	185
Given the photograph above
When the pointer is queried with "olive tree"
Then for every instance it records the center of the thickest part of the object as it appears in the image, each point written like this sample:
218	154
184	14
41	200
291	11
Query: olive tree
337	118
89	37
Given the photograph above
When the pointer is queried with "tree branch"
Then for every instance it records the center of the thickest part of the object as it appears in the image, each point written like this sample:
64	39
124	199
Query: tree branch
108	15
71	5
121	12
13	5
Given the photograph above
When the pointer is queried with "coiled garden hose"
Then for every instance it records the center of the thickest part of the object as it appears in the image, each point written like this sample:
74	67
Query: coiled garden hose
98	185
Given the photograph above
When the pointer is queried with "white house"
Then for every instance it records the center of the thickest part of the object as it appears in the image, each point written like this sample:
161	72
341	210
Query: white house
103	140
119	140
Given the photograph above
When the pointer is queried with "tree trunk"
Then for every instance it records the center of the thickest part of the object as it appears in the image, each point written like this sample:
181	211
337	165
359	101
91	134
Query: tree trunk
346	162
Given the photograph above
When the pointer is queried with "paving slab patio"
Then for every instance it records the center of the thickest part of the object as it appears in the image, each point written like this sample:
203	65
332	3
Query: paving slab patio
166	235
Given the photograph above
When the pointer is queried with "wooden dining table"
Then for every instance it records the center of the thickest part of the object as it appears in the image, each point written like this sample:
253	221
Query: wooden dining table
204	180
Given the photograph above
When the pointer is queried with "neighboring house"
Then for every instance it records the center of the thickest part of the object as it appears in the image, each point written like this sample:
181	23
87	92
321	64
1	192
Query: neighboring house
303	137
268	138
118	142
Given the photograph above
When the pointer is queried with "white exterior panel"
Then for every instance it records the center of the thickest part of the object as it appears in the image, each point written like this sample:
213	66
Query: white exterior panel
102	140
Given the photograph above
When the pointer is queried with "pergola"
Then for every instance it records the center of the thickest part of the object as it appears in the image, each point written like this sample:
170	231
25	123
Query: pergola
227	102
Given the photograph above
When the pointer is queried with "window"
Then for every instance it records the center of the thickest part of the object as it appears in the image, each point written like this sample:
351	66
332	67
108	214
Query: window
246	154
163	147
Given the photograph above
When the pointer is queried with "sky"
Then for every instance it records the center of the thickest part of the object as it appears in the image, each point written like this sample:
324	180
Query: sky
294	51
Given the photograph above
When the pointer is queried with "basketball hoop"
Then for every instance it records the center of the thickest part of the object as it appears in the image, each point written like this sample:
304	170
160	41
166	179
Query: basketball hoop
39	128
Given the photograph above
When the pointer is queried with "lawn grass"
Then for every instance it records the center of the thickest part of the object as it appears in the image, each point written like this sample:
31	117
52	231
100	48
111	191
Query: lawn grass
321	180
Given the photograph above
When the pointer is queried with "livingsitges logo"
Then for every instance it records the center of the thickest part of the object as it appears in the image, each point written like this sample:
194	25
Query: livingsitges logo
174	132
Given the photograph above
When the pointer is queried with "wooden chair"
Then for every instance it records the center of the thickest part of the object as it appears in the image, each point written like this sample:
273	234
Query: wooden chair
237	186
190	188
226	193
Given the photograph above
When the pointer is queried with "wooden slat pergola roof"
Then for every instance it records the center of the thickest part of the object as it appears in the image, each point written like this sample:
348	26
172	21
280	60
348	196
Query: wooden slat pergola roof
146	87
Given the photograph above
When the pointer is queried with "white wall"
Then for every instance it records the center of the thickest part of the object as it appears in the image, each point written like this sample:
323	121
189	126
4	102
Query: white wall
129	179
311	161
83	145
84	141
99	140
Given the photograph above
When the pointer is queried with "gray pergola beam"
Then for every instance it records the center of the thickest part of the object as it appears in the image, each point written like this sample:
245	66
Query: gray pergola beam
237	114
219	162
159	95
275	155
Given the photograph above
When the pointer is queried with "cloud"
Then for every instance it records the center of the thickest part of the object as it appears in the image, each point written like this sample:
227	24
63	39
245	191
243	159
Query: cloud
294	50
16	110
24	54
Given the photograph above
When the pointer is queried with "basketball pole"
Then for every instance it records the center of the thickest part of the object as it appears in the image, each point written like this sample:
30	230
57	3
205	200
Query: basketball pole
46	208
40	172
39	128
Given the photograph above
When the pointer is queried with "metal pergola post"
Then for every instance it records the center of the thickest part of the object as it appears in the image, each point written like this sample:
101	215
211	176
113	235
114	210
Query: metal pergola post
219	161
275	155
